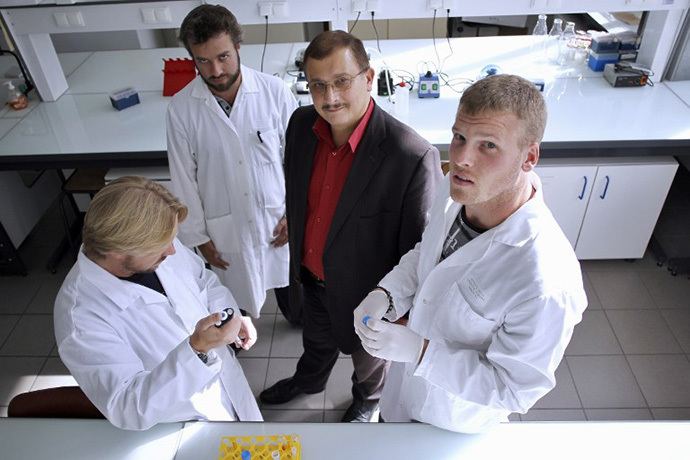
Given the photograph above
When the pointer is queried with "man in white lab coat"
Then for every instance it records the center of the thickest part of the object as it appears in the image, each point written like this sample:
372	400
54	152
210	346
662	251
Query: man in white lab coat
493	290
225	133
135	317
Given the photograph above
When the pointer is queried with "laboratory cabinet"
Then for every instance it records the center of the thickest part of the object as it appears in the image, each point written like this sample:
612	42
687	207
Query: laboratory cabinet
607	207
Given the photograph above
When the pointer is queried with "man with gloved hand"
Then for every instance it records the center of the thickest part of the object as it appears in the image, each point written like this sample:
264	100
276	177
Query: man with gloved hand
493	290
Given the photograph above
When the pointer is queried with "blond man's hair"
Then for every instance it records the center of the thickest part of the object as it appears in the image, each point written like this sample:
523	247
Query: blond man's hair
511	94
131	215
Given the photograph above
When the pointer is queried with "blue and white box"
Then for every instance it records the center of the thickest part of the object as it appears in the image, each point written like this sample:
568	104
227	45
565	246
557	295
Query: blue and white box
123	98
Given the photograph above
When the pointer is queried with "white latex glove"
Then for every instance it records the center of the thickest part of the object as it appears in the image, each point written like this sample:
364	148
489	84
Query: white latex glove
374	305
393	342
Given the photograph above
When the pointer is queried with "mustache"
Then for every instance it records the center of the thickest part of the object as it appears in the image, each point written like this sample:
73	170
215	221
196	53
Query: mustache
337	105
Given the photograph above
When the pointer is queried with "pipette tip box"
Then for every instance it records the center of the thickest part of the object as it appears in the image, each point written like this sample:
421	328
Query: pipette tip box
123	98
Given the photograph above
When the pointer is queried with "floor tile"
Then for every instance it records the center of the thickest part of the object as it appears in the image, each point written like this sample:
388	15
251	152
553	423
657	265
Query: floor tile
621	290
280	368
270	306
53	374
17	376
593	336
514	417
564	395
306	416
339	386
593	302
605	382
664	379
7	323
32	336
255	370
666	290
44	300
679	322
287	340
619	414
333	416
17	292
554	415
671	414
264	329
643	331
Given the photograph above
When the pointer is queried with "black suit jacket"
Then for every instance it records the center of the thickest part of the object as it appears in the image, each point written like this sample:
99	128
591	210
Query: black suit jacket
380	216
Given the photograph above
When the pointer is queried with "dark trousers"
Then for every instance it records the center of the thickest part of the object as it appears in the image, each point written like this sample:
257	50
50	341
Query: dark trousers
321	351
292	313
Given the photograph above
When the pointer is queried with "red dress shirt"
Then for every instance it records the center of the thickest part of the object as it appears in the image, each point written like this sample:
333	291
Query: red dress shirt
328	175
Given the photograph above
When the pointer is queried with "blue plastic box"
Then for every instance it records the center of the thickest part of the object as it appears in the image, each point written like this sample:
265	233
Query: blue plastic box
123	98
605	44
598	61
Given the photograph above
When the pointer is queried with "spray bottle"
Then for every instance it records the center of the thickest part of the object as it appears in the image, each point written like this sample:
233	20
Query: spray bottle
15	98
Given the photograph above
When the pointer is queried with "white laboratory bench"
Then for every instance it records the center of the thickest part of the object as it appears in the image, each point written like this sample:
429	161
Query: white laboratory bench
87	439
600	145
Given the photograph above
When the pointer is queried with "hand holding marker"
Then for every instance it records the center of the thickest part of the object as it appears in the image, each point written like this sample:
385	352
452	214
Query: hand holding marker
225	316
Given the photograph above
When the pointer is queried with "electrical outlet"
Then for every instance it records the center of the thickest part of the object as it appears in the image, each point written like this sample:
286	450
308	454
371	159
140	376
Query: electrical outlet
539	4
435	5
75	19
280	9
265	9
149	15
359	6
448	4
162	15
372	6
61	19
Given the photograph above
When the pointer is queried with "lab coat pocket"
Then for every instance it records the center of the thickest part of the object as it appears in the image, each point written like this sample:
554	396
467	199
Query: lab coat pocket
224	233
266	144
456	321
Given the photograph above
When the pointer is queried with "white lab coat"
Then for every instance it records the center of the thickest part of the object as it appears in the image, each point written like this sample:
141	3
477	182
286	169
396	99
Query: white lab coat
128	346
232	180
498	313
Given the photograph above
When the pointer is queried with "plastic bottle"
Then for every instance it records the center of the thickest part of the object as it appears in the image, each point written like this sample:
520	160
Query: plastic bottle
553	40
402	99
566	45
540	27
15	98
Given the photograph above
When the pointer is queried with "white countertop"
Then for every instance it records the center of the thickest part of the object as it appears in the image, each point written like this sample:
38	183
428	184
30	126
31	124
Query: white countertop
88	439
585	112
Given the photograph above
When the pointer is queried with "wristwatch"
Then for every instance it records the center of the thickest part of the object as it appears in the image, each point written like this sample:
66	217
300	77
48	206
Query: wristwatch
200	354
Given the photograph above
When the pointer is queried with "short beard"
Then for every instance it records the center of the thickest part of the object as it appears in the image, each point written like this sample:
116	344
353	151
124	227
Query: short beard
225	86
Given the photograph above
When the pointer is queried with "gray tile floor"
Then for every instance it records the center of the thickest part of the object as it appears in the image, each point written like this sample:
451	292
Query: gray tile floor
629	358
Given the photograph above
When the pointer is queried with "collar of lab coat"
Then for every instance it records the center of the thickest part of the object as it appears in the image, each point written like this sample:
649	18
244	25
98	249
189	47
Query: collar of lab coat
248	85
516	230
122	293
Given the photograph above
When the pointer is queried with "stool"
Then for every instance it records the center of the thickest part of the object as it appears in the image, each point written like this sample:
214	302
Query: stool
82	180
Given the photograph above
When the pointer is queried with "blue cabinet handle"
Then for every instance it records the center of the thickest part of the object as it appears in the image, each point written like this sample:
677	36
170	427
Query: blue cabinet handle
584	187
606	187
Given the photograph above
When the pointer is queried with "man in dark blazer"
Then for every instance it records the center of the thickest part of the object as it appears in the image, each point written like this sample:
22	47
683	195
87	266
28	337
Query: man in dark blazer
359	185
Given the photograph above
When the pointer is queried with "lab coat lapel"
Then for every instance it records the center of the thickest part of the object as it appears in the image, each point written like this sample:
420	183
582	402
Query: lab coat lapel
367	161
180	296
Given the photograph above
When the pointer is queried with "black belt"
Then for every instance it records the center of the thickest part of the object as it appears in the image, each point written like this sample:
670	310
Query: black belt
309	277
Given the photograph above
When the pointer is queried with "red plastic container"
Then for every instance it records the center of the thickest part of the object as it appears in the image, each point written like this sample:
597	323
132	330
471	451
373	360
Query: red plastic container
177	73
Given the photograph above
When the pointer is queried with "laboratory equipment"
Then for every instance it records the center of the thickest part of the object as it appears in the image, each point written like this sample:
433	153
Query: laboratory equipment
553	40
540	26
488	70
177	73
625	74
301	84
385	88
566	44
598	61
123	98
225	316
428	85
402	99
15	98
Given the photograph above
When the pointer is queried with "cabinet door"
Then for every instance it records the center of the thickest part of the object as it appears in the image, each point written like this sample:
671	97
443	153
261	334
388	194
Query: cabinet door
623	209
566	192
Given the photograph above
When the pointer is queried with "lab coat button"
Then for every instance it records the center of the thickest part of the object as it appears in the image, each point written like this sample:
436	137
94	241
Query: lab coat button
240	162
